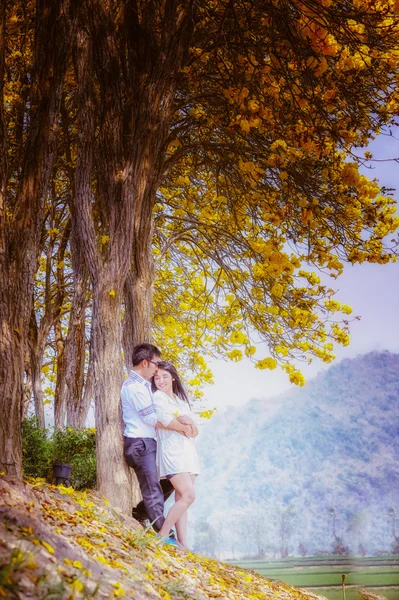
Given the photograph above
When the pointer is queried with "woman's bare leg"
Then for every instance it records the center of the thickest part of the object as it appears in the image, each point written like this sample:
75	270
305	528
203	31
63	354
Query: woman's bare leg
184	486
181	524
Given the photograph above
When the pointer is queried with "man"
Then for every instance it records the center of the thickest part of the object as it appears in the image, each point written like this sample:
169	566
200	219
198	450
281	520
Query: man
140	444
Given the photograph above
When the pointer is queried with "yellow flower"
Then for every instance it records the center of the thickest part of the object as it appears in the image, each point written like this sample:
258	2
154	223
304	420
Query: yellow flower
76	586
119	591
346	309
266	363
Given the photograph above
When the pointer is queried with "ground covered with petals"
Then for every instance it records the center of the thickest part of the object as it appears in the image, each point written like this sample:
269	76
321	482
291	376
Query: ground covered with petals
56	543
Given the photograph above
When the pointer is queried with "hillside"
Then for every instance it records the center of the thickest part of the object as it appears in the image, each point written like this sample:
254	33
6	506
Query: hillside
318	464
56	543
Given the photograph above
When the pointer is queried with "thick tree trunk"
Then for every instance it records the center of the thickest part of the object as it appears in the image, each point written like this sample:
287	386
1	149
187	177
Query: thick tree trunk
137	316
11	328
12	349
113	477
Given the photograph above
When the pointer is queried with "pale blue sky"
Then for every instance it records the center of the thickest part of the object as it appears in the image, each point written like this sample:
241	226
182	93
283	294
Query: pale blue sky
372	290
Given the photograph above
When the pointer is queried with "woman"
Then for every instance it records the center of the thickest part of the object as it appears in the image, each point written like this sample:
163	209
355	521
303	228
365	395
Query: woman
177	457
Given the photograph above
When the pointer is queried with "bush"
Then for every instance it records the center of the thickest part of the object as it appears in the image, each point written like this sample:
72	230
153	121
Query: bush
36	449
77	448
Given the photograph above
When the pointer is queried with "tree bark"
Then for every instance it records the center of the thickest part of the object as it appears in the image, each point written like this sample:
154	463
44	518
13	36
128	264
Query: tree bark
20	238
138	308
77	392
77	412
76	402
27	386
36	343
113	475
60	398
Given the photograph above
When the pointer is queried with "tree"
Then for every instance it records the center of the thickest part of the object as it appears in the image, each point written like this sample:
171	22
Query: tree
302	550
23	188
393	519
358	530
338	544
286	527
215	138
205	538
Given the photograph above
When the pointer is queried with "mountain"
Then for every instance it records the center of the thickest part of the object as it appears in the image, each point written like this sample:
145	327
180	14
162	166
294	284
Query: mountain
317	467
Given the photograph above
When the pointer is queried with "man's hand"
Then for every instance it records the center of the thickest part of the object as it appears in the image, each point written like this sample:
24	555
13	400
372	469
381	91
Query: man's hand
185	420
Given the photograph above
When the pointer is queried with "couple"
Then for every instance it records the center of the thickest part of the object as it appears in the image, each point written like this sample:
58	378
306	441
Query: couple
158	445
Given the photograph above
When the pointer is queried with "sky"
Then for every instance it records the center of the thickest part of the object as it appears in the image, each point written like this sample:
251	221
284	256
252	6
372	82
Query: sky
371	289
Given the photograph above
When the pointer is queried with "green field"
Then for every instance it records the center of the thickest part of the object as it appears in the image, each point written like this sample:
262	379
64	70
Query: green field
322	575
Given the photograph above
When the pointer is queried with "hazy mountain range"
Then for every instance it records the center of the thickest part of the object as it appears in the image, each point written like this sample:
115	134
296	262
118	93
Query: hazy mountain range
317	466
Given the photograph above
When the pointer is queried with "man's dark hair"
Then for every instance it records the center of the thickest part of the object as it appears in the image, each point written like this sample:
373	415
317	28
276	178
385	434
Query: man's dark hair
144	352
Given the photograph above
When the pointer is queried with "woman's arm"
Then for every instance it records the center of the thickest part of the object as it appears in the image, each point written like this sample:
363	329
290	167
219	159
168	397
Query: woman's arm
177	425
186	420
166	420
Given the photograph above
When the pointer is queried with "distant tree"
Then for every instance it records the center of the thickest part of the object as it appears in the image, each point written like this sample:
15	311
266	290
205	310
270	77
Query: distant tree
302	550
286	528
232	535
393	519
205	538
338	546
358	529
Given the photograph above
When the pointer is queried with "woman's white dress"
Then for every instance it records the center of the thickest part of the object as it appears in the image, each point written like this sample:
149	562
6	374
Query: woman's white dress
175	452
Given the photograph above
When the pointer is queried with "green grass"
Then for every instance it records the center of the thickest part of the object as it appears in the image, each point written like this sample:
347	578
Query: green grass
316	573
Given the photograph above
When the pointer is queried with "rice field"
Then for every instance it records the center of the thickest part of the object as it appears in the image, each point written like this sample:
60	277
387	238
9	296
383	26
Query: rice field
323	575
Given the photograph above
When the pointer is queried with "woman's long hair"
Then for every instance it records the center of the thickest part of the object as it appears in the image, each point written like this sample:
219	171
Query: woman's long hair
177	386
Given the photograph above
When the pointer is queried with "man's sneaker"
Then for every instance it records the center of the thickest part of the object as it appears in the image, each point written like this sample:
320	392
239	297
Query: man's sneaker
142	520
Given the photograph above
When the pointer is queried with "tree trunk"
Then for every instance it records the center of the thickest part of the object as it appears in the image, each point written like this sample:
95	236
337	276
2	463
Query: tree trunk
113	477
137	316
36	343
36	370
77	411
60	403
11	327
27	386
77	402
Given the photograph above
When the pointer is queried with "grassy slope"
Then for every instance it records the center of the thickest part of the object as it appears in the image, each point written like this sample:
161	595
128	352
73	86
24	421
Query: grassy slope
59	544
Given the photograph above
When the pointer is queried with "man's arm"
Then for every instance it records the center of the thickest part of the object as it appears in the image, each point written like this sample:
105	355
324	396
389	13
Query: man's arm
143	405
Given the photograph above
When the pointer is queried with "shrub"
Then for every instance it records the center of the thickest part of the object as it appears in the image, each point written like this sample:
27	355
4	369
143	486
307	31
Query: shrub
78	448
36	449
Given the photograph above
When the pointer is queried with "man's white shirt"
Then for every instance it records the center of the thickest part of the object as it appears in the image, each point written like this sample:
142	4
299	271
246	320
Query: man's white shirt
138	410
